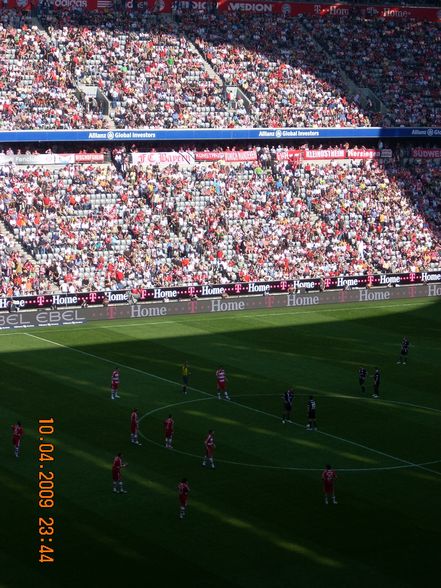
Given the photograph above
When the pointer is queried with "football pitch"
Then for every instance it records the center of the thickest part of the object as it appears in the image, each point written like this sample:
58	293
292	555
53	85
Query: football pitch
259	518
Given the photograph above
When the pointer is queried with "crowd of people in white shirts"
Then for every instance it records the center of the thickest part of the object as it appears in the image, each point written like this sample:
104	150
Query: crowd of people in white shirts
94	227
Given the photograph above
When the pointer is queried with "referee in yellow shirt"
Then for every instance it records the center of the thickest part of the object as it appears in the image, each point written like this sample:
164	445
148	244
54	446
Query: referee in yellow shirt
185	377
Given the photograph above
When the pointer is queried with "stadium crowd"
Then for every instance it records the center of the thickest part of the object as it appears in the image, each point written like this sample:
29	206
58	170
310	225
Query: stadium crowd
289	81
380	211
179	72
18	275
399	61
93	227
36	90
125	225
152	75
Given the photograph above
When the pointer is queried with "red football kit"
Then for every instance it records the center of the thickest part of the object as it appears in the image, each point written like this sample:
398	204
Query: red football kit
328	477
169	426
17	434
183	490
221	379
134	423
116	469
209	445
115	380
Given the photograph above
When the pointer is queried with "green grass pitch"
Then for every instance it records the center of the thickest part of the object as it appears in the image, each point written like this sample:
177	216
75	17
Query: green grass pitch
259	518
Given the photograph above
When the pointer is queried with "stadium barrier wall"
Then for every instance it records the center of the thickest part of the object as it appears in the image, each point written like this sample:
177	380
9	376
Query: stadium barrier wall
56	318
174	293
192	157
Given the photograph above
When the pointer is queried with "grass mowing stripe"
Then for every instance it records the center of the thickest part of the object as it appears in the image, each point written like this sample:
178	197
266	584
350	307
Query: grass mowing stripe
354	443
257	314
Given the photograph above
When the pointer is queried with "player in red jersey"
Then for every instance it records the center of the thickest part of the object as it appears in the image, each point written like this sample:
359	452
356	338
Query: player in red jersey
17	434
134	427
329	476
117	466
115	384
221	383
209	449
183	491
169	427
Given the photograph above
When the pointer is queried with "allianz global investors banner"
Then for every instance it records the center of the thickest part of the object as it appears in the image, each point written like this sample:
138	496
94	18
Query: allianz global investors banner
125	297
48	318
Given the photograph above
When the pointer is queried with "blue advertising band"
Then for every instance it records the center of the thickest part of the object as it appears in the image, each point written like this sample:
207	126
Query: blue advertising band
261	134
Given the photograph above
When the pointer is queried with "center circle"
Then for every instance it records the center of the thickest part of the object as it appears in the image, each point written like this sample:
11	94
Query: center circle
405	464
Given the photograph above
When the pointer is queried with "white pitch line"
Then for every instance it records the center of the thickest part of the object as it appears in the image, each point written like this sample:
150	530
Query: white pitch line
289	468
348	396
116	363
410	463
263	466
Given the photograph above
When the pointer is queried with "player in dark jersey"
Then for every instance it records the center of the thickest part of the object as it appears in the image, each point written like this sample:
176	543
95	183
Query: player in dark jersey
377	380
362	375
404	351
288	399
312	409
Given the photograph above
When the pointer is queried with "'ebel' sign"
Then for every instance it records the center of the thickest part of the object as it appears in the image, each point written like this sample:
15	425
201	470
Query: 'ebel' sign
44	318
